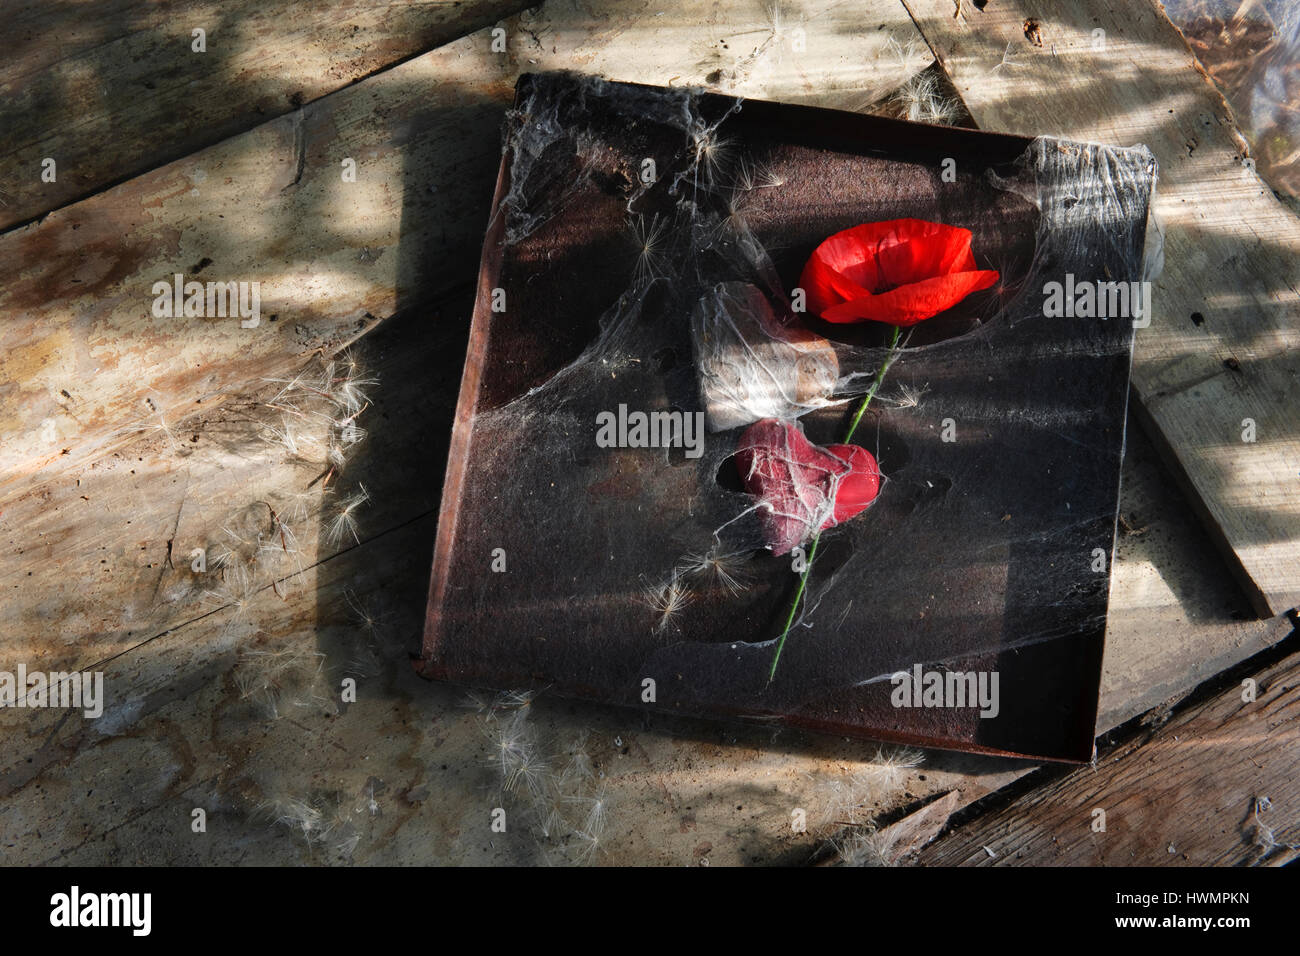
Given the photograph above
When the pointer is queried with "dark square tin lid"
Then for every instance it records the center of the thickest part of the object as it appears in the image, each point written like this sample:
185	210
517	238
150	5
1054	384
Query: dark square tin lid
984	561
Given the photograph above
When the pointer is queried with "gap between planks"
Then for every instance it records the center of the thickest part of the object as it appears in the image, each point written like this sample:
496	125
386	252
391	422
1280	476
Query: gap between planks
111	90
1186	794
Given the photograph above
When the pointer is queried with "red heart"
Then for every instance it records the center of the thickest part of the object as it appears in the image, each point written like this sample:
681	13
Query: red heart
800	484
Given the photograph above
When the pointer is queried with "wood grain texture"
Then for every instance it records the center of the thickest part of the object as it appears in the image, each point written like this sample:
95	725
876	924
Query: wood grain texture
92	585
682	792
82	357
1176	617
1184	796
110	90
1224	335
92	588
181	729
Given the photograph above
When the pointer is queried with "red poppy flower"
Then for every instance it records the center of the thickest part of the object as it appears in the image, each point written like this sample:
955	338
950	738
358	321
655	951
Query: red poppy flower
801	484
901	272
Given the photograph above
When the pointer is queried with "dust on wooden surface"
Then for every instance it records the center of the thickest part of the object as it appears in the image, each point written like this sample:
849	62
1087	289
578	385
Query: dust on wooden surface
334	257
231	702
190	691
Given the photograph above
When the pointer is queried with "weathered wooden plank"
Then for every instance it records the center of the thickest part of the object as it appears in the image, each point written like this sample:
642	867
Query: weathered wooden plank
174	687
172	660
1189	795
109	90
1176	617
1220	347
177	694
81	355
179	735
896	843
100	562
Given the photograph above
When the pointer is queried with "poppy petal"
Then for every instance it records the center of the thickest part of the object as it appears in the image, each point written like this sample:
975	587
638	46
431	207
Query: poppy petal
825	288
912	303
901	271
919	259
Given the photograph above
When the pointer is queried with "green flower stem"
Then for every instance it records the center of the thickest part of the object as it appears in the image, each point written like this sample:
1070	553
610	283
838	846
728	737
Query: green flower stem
812	552
794	606
875	386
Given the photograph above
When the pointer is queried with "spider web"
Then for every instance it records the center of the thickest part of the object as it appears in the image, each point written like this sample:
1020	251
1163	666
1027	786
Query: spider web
675	292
